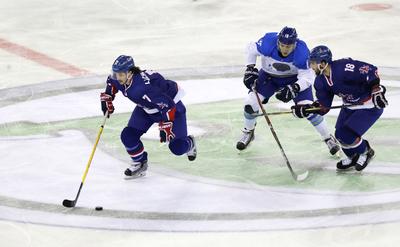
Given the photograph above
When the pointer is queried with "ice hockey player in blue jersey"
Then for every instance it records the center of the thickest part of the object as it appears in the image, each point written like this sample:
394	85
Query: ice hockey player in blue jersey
284	71
158	100
358	84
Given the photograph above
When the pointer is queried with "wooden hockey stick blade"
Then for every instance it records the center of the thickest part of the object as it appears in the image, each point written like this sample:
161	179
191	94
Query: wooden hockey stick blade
301	177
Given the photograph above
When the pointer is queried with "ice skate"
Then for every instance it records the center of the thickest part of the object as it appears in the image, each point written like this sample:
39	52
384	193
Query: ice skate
347	163
192	153
333	145
246	139
137	169
365	158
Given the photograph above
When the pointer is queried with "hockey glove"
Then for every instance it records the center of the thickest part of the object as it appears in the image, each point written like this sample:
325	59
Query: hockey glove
288	93
302	111
378	96
168	115
250	76
106	104
317	108
166	134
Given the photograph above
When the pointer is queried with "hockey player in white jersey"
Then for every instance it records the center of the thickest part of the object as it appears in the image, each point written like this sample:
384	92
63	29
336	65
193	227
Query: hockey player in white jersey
284	71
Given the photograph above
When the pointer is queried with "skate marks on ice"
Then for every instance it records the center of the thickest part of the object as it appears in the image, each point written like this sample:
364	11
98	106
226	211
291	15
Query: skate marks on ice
51	166
162	201
81	217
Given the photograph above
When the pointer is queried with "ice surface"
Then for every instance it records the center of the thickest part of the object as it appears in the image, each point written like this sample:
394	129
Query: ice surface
38	172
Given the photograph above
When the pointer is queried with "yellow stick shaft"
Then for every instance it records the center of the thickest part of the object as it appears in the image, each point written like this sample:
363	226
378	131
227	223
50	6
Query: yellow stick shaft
94	147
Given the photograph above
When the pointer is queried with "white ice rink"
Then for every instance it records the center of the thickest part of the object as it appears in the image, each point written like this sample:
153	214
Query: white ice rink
45	44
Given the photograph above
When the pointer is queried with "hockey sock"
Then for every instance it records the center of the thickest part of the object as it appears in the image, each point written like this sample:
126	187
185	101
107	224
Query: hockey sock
357	148
320	125
137	152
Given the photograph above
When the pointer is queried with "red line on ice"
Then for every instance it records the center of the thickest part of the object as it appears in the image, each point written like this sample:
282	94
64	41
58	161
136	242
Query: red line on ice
41	58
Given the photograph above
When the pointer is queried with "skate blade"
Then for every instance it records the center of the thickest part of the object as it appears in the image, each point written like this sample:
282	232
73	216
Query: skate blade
139	175
347	170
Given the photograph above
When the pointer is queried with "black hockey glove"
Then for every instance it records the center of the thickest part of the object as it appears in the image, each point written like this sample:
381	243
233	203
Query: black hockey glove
300	111
106	103
288	93
378	96
250	76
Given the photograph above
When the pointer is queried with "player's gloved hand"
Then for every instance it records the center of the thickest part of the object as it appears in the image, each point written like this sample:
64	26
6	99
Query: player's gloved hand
378	96
288	93
317	108
168	115
300	111
166	134
109	80
106	103
250	76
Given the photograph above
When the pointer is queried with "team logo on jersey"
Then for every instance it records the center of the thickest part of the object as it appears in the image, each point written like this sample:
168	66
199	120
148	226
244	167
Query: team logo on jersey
364	69
162	105
281	67
349	98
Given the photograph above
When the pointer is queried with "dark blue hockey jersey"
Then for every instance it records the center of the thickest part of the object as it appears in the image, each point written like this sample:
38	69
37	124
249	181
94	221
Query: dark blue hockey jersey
149	90
349	79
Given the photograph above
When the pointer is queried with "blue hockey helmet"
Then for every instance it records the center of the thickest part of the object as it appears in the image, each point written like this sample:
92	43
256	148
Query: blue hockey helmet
287	36
321	53
123	64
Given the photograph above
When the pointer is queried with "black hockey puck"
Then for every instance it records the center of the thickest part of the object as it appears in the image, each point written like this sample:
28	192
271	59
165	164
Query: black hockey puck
98	208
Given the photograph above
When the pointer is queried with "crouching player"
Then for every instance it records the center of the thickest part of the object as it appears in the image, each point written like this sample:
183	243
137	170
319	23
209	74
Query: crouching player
358	84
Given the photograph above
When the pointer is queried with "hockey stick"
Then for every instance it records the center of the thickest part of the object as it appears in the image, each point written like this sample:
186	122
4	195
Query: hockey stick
297	177
309	109
69	203
271	113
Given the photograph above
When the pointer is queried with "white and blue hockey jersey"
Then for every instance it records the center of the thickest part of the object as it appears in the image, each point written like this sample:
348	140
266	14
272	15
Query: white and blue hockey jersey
296	64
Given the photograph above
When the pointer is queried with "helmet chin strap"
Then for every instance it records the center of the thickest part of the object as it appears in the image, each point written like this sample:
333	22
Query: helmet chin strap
322	69
128	81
